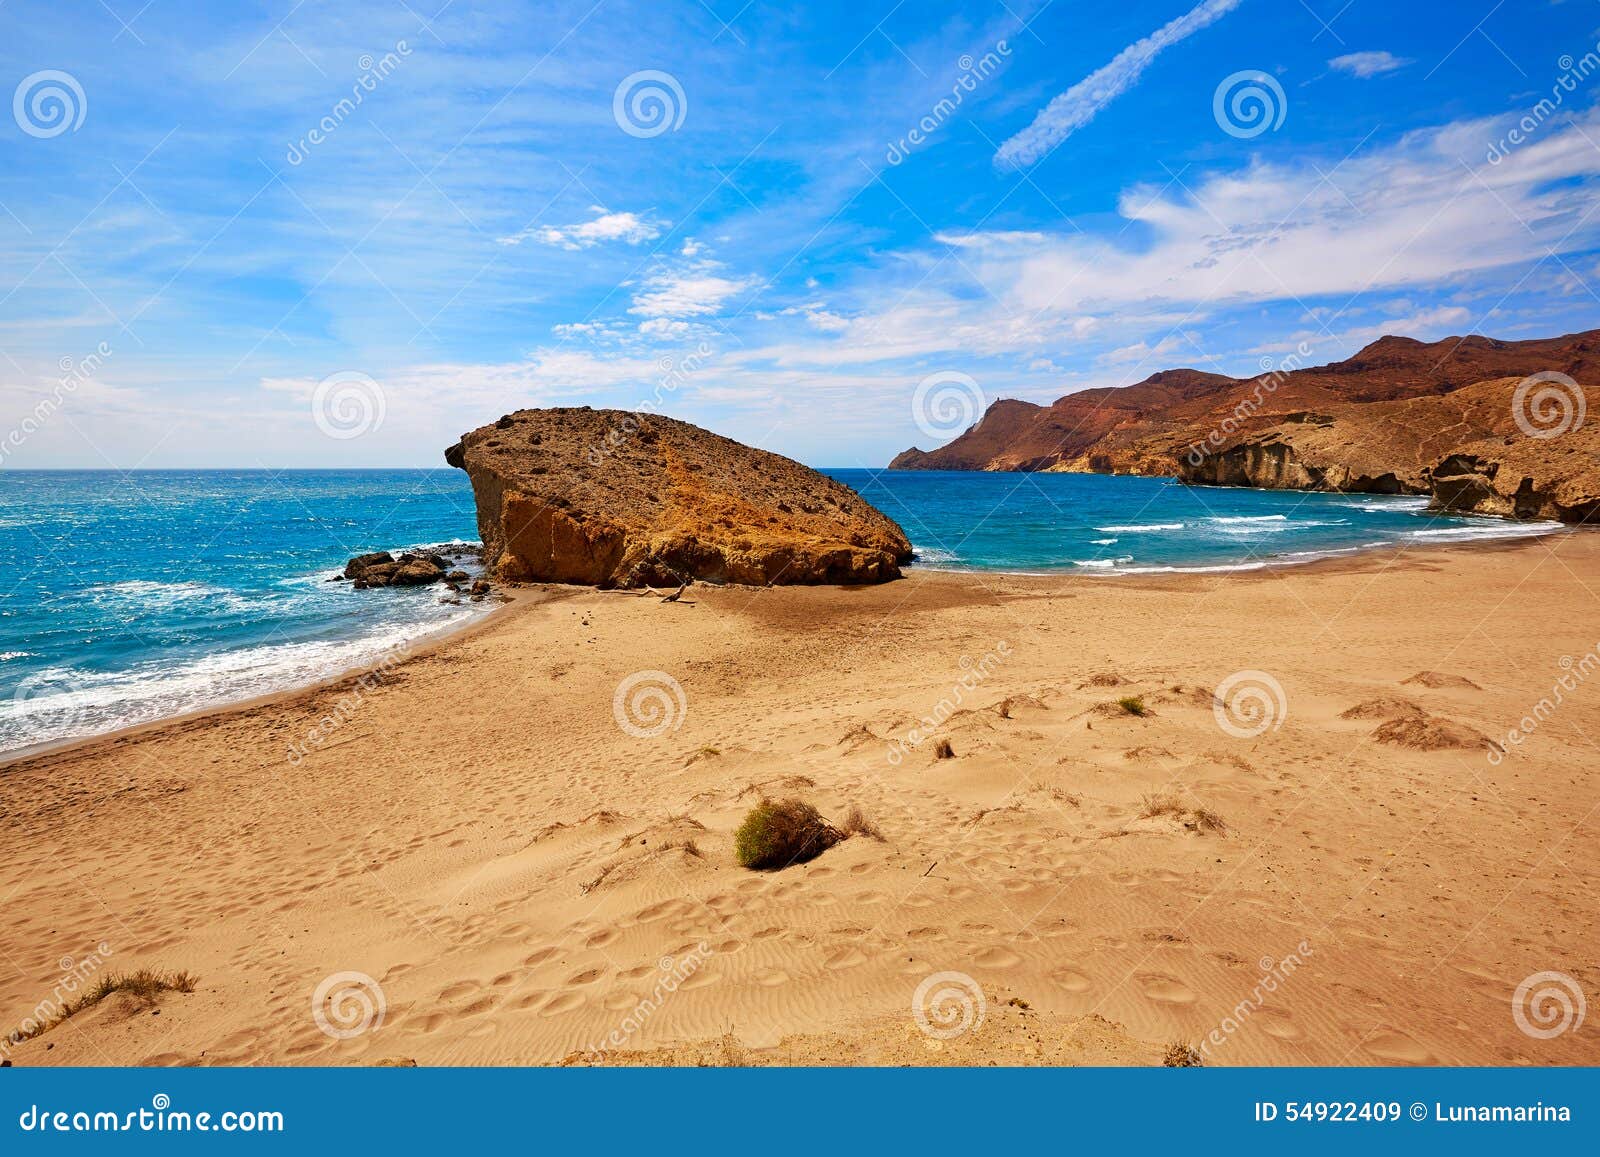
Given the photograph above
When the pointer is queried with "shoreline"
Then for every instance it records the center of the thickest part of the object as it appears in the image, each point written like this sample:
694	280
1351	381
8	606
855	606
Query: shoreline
426	645
522	594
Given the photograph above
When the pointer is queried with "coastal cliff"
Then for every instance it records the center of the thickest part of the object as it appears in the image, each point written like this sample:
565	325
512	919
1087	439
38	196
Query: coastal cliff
1400	417
612	498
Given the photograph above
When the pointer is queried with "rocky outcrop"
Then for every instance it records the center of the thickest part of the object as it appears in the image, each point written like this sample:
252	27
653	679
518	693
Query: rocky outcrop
1555	478
413	568
612	498
1380	422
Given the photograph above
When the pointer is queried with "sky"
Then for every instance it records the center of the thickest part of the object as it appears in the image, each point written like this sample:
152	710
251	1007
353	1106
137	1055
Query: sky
317	234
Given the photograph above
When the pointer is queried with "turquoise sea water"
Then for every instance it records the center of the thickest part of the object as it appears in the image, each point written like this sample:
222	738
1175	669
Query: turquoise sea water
127	598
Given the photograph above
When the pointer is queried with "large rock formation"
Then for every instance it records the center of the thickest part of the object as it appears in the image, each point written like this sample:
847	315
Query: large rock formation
612	498
1380	422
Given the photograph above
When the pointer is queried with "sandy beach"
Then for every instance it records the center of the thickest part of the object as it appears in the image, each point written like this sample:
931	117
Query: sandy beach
517	847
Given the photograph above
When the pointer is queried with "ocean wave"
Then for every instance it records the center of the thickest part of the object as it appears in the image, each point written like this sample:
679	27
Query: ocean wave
1485	532
1102	563
1103	541
68	702
1140	527
1231	518
934	554
7	656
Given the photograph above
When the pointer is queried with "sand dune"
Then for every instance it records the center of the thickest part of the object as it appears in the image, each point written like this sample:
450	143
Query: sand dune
484	866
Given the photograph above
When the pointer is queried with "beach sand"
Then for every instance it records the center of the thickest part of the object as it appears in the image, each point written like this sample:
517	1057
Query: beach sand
480	865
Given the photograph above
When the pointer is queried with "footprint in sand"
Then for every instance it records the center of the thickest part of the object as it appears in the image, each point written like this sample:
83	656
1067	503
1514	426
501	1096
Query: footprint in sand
926	933
918	900
868	898
1166	989
480	1006
617	1001
524	1002
766	934
459	990
701	979
636	971
1279	1024
1071	979
540	956
771	977
601	938
1397	1048
561	1002
587	976
846	956
998	958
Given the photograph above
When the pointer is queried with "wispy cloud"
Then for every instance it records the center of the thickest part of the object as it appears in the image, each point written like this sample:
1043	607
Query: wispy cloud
1365	64
629	228
1079	104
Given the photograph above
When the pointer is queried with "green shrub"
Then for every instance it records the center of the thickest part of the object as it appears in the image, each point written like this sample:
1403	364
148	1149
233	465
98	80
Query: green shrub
777	834
1133	705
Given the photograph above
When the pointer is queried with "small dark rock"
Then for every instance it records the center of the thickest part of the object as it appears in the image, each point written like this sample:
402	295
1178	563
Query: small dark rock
456	576
362	561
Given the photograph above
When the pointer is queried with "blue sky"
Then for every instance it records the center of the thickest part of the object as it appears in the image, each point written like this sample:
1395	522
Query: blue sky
767	249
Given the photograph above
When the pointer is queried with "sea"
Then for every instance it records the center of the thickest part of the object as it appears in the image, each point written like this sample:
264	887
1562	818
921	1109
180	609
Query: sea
130	597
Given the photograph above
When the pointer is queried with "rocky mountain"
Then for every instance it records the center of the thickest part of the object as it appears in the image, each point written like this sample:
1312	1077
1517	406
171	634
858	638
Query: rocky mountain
1384	421
613	498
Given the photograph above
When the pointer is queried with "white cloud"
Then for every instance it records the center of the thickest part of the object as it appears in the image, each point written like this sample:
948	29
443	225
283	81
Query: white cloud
693	286
1365	64
629	228
1078	105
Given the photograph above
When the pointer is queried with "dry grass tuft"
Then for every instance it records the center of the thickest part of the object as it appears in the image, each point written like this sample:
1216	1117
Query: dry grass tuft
1181	1056
856	823
1160	804
142	988
1133	705
943	750
777	834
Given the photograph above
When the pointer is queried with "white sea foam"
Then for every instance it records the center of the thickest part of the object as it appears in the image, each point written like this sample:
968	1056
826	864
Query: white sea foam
1231	518
1103	541
67	702
1140	528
